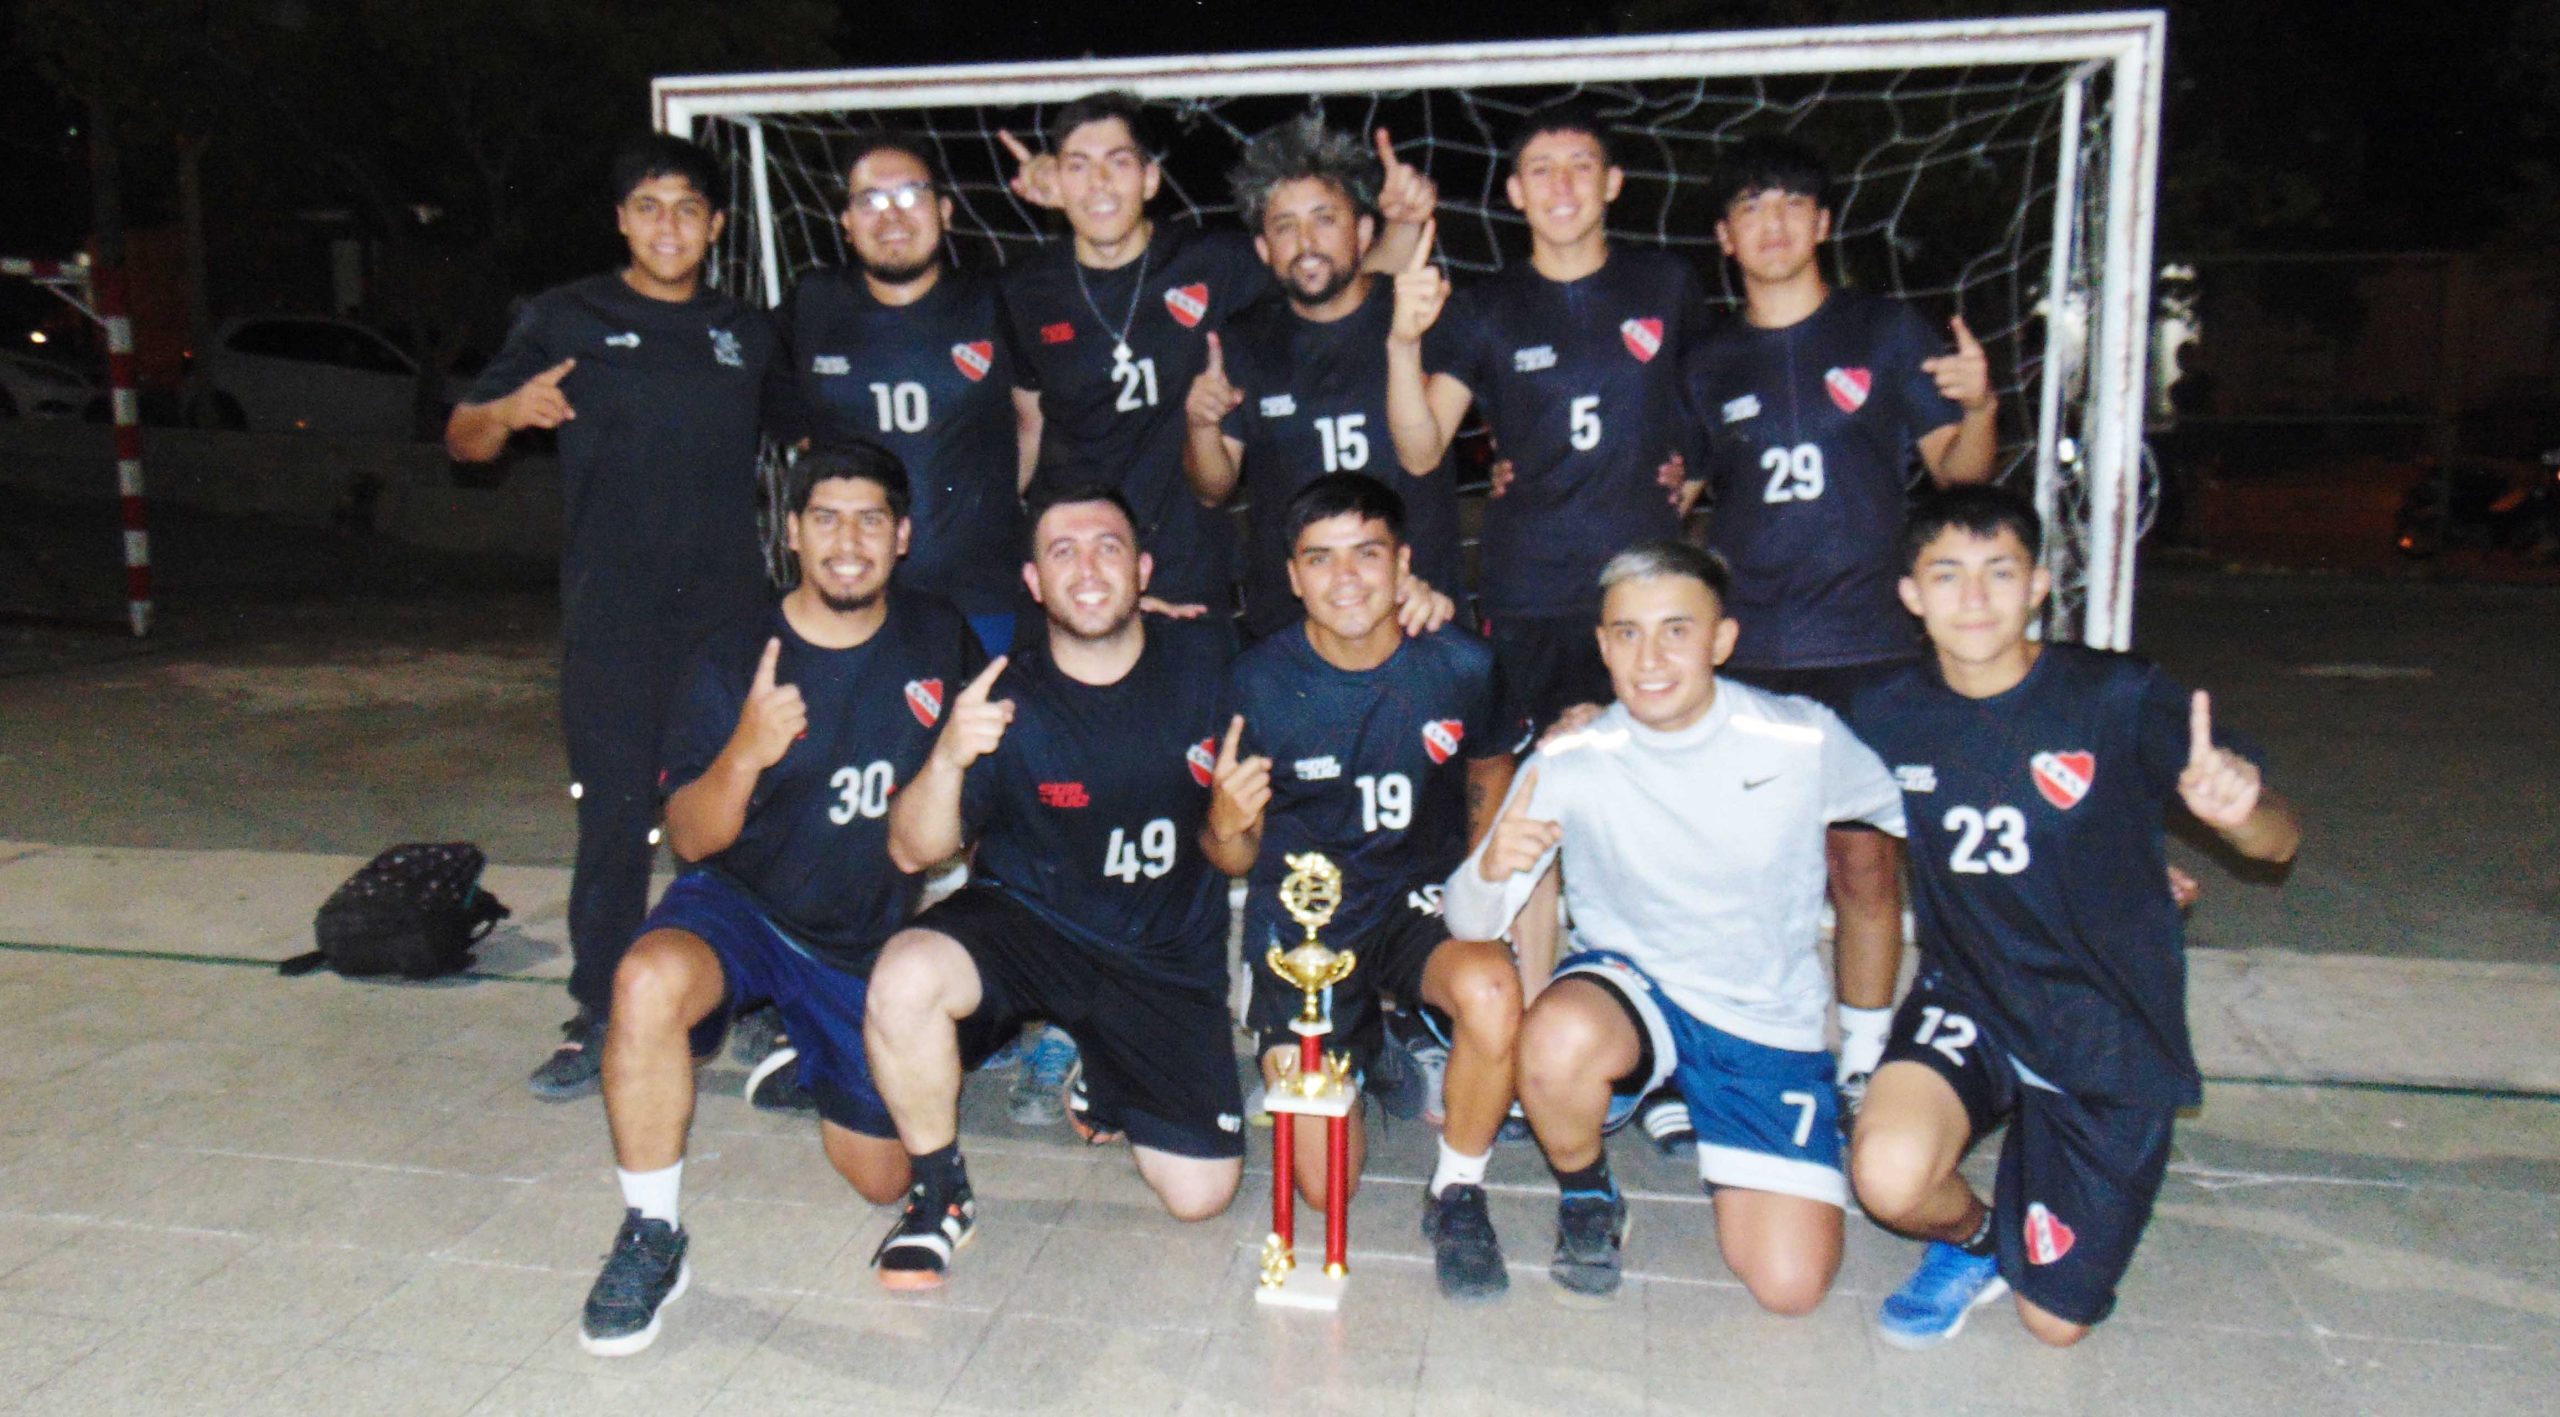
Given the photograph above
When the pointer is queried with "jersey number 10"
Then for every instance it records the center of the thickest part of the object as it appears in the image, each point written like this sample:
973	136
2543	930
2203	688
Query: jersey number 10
902	407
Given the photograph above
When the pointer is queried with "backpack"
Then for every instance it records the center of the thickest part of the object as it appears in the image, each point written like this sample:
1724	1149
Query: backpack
415	910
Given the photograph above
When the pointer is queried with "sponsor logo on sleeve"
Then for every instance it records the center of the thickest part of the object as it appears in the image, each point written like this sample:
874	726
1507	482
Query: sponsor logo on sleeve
1533	359
975	358
1848	388
2048	1239
1279	405
1189	304
1063	332
1324	769
1203	758
1745	407
2064	778
628	339
1916	777
726	349
1064	795
831	364
1643	337
1440	738
924	700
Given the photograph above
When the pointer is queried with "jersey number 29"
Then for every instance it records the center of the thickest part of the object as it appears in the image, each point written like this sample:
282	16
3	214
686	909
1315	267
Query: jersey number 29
1151	855
1795	474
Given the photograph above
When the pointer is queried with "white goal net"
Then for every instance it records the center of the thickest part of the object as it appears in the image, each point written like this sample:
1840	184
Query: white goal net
2003	170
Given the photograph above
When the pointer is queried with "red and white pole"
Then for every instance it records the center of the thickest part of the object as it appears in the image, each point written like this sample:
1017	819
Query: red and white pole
127	401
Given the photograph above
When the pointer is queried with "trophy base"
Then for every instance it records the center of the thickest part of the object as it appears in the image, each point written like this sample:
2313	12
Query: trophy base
1307	1287
1332	1102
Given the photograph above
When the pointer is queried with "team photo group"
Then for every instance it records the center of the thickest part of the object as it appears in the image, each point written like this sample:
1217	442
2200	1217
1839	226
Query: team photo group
1136	566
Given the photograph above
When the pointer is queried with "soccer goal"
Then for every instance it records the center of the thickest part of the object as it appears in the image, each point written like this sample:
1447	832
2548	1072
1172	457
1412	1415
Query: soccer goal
2004	169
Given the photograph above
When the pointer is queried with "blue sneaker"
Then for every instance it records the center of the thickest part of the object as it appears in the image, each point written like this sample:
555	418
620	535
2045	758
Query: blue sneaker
1931	1305
1039	1094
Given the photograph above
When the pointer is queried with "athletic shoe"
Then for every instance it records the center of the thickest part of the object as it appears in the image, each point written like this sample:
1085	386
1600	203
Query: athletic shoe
1005	1057
1931	1305
644	1274
1429	1058
1591	1231
1464	1252
754	1034
1515	1127
576	1068
775	1086
1035	1101
1665	1116
1091	1126
1396	1082
917	1253
1853	1095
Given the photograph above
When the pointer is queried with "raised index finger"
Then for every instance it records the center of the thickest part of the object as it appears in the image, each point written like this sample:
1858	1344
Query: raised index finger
1521	792
1217	356
765	666
1013	145
976	693
2199	728
1386	150
556	372
1965	342
1234	743
1422	245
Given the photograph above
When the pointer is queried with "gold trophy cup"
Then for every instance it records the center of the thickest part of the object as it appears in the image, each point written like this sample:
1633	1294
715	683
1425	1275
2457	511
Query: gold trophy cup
1313	1084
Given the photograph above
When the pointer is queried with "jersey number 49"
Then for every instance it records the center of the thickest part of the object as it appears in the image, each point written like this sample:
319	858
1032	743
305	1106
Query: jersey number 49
1151	855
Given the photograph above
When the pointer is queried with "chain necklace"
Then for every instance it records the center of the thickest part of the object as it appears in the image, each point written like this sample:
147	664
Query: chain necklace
1119	351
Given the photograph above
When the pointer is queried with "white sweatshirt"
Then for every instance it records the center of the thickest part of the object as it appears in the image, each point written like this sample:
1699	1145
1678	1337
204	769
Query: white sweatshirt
1699	854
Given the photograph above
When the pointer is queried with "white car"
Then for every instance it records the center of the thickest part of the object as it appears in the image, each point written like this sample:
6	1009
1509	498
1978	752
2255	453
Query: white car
311	373
39	388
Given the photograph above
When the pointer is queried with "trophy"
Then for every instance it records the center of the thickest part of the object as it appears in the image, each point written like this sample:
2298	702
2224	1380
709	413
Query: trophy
1313	1084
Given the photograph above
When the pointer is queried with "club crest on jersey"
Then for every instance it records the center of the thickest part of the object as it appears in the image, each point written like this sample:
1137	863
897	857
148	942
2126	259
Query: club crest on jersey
1189	304
1848	388
1440	738
726	350
975	358
2048	1239
924	700
1643	337
1203	758
2064	778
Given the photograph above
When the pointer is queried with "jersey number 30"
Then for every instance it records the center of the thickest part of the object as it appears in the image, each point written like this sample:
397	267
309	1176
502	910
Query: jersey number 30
1151	855
2005	828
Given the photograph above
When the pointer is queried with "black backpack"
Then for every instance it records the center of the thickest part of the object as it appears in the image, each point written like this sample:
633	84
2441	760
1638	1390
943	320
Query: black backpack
415	910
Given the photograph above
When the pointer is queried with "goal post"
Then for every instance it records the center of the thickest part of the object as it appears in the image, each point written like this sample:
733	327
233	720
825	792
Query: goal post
2003	168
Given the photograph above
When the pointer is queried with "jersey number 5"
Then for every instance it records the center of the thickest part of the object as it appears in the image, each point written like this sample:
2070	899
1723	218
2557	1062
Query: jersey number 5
2004	827
1584	416
1795	474
1150	856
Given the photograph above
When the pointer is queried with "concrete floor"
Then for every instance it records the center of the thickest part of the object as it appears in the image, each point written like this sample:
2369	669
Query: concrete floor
222	1191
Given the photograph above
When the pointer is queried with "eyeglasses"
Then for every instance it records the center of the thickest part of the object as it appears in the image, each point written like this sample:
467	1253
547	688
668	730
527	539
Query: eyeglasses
878	200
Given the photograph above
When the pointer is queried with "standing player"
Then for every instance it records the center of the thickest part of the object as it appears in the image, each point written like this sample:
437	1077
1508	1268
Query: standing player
1296	389
2053	993
1082	775
905	352
1386	754
1114	326
1818	401
654	382
796	728
1576	360
1689	818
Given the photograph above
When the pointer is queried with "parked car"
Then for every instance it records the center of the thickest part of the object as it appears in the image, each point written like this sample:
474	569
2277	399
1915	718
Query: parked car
311	373
31	387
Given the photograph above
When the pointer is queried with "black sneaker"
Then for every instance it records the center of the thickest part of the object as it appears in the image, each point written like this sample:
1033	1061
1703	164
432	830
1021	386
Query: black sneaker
576	1068
917	1253
1464	1252
1093	1126
644	1274
1591	1230
1853	1095
1665	1118
775	1086
754	1034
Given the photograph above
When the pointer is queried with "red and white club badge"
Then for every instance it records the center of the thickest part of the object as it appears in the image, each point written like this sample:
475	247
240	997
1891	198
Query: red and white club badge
1643	337
2048	1239
975	358
2064	778
1189	304
1441	737
924	700
1203	758
1848	388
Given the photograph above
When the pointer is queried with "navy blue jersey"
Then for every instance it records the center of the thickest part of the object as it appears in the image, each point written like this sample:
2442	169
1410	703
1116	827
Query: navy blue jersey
1315	401
815	848
932	382
1368	767
1580	383
2038	870
1119	421
1089	811
658	469
1810	455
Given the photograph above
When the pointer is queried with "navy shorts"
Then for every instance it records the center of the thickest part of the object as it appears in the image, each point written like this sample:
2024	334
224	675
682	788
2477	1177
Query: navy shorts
821	1003
1159	1063
2078	1175
1387	961
1768	1119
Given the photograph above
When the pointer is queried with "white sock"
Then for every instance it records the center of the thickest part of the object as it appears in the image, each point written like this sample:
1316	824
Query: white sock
1863	1034
1456	1168
652	1193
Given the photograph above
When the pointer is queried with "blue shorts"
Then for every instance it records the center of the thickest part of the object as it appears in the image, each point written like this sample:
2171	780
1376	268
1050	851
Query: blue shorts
821	1003
1768	1119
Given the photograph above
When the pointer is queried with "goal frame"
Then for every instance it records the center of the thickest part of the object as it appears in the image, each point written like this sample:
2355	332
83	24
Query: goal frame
2127	48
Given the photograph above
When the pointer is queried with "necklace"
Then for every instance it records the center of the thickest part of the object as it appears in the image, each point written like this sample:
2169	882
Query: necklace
1120	350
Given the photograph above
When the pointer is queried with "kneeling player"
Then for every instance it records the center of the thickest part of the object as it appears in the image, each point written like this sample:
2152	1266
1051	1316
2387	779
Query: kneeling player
792	735
1386	754
2053	988
1690	818
1083	774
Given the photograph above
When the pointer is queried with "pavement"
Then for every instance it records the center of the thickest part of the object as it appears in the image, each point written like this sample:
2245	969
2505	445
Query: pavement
222	1191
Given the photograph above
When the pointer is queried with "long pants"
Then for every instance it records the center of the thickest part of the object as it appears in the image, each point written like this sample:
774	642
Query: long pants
614	699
